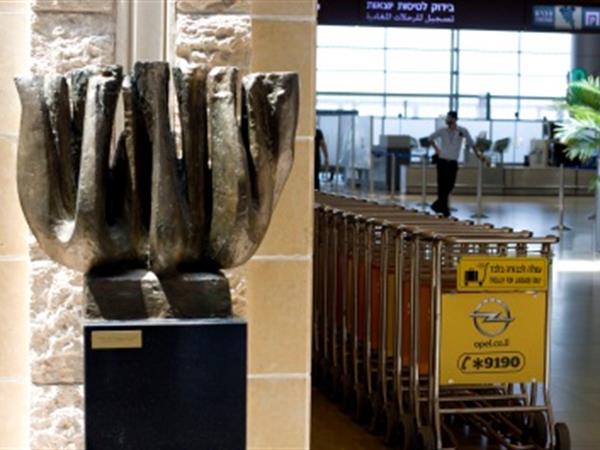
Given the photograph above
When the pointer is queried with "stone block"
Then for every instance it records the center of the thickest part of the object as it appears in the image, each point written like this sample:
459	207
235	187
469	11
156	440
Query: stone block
63	42
14	48
79	6
279	45
213	6
56	348
127	296
217	40
293	214
13	413
56	418
297	8
278	413
279	316
13	229
14	329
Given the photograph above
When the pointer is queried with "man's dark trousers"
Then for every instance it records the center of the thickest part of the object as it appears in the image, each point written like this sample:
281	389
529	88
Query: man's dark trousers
446	179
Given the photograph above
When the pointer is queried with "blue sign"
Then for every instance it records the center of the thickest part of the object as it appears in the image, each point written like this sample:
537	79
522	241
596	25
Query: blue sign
591	18
567	17
543	16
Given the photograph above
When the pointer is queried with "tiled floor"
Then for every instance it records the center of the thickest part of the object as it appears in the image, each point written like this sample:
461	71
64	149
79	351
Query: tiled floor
576	323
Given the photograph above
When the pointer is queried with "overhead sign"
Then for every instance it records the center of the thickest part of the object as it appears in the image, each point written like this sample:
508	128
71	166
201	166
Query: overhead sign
558	17
493	338
414	13
502	273
565	15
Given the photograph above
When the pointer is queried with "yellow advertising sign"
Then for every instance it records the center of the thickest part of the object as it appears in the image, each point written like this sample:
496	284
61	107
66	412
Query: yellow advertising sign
493	338
502	273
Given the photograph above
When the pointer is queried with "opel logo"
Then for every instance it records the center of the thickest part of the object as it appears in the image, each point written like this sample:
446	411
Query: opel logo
492	317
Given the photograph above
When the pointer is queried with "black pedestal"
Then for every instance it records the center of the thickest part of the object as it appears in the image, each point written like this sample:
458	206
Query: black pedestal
165	385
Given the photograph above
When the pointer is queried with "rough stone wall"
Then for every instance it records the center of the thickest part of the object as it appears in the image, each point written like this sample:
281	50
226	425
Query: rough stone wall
215	40
65	35
63	42
213	6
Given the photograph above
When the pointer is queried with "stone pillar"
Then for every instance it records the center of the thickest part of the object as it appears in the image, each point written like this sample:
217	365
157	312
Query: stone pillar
275	287
279	277
14	262
586	53
273	291
213	33
65	35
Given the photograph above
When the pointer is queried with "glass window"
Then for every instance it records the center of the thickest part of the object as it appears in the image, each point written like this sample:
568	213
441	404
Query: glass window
543	86
502	130
365	105
329	81
415	107
538	109
391	126
413	66
477	62
472	108
504	108
417	128
525	133
540	64
419	38
329	125
418	61
418	83
351	37
495	41
493	84
551	43
341	59
477	128
378	130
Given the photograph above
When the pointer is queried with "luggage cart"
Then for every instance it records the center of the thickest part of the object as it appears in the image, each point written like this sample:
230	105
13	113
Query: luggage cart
379	349
490	331
389	314
370	402
365	284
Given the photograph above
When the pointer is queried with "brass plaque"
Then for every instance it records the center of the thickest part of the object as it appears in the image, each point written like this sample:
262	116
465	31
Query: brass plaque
112	340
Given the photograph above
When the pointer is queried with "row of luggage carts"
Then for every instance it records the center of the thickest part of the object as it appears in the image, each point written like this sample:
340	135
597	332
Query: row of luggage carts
428	329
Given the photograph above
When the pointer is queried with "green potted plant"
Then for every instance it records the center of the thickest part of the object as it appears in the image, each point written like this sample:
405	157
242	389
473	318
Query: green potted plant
581	131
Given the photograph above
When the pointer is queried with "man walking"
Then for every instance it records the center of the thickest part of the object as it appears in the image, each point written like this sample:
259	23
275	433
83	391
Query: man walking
320	147
447	143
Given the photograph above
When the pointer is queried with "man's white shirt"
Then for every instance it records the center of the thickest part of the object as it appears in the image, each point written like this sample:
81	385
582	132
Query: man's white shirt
451	140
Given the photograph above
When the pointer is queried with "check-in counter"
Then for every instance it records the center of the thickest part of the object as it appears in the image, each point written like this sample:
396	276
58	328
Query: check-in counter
507	180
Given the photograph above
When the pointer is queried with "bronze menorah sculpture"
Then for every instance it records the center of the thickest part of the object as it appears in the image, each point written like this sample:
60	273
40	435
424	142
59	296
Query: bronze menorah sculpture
107	209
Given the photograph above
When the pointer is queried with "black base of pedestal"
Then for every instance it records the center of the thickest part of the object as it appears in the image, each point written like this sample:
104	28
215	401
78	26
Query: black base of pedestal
165	385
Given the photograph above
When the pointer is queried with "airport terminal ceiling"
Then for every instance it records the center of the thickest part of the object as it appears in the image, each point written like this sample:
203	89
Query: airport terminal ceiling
517	15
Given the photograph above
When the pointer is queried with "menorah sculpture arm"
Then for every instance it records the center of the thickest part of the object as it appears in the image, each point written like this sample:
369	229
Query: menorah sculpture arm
141	203
68	207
